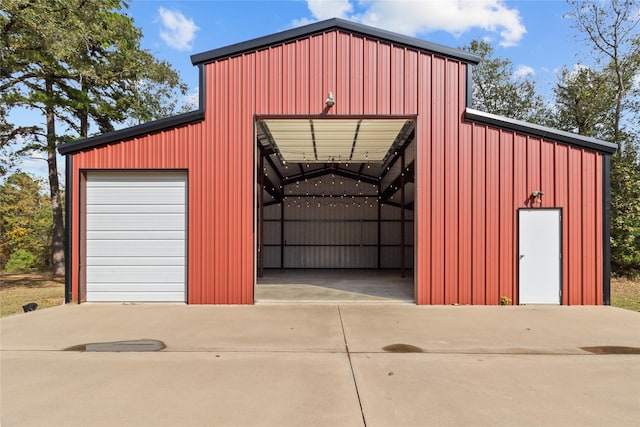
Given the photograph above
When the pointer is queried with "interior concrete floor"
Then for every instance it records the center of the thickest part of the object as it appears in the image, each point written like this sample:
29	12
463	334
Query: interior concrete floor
334	285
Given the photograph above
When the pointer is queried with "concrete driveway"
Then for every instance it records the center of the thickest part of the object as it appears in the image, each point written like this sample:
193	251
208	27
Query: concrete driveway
312	365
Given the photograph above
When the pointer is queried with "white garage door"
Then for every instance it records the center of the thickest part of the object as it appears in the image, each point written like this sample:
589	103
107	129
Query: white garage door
135	236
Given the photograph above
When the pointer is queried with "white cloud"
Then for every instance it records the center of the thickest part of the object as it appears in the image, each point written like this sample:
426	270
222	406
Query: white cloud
177	30
523	71
414	17
191	100
325	9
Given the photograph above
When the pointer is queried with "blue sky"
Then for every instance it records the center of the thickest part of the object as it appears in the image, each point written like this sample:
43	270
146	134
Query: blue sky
533	34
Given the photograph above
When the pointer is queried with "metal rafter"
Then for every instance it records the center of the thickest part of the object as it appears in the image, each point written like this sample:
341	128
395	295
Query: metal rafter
313	140
270	188
331	169
355	139
397	183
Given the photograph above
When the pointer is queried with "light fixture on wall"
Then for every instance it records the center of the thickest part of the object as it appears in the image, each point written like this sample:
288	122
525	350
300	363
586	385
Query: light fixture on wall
537	196
330	100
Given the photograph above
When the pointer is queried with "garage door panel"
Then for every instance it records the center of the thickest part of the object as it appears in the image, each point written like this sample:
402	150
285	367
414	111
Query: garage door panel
135	236
133	209
152	221
135	274
125	261
141	196
148	235
144	248
146	296
121	287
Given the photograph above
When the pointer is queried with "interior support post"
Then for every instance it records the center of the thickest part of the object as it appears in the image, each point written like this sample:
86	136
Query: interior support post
402	178
379	226
282	243
261	216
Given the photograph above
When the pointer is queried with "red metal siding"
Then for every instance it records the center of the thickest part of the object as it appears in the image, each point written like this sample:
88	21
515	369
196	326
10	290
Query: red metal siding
422	229
436	190
451	183
478	215
507	219
492	219
464	166
470	178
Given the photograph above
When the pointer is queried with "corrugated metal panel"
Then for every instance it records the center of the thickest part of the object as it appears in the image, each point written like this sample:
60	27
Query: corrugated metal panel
326	212
507	218
272	211
390	233
272	233
451	184
328	233
560	190
272	257
464	202
390	257
478	215
492	194
329	257
343	68
423	251
393	213
588	232
357	66
436	189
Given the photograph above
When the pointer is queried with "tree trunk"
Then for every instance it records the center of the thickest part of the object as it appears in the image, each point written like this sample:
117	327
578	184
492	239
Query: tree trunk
84	115
57	241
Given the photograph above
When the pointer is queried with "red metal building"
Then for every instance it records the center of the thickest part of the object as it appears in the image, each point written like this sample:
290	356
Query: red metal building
480	207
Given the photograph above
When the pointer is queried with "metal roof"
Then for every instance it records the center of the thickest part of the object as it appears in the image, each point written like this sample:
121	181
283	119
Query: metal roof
330	25
540	131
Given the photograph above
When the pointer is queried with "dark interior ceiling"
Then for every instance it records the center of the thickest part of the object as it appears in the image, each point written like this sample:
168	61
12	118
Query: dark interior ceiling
357	153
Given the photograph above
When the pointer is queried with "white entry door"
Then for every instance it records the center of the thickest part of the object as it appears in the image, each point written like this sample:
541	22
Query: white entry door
540	256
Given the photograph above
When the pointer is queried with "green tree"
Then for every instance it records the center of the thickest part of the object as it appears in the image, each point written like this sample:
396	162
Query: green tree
25	219
584	101
498	90
77	63
607	108
610	30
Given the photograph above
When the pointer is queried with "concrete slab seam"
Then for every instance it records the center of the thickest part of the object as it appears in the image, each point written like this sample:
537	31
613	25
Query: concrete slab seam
353	375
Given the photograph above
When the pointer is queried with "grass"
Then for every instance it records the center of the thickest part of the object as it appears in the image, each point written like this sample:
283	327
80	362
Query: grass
17	290
625	293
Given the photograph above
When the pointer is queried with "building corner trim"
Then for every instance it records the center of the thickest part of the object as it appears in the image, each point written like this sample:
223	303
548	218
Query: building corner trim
606	229
68	218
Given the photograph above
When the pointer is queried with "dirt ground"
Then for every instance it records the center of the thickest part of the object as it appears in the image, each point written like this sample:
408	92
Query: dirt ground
46	290
17	290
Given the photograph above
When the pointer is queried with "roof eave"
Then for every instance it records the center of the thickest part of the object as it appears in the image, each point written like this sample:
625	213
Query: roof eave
132	132
540	131
328	25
